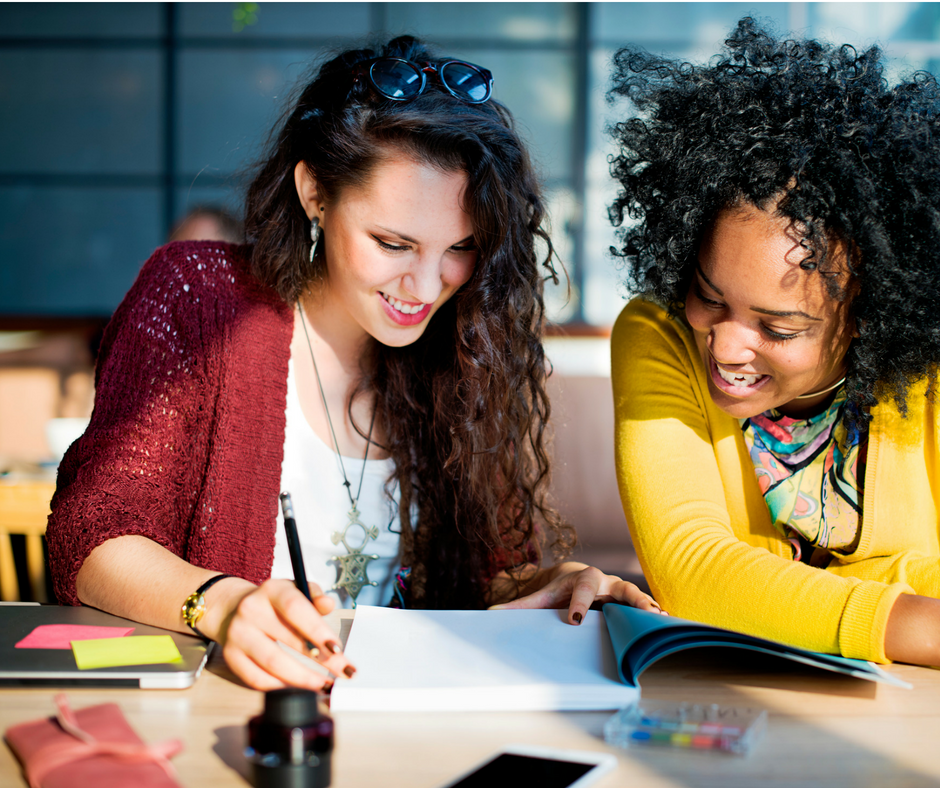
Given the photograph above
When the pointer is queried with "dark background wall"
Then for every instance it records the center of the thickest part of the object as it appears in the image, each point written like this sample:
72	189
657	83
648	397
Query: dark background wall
116	118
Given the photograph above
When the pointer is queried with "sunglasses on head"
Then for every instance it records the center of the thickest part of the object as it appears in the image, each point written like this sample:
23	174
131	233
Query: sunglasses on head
402	80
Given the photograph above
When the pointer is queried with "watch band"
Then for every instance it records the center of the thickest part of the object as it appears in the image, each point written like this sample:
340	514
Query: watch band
194	608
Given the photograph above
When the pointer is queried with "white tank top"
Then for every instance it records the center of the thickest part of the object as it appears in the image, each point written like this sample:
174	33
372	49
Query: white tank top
311	474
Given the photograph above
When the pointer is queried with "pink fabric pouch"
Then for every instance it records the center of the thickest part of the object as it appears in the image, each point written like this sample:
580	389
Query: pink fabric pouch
94	746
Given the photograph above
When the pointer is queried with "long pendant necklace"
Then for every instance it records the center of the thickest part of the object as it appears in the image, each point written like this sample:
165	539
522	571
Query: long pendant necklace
354	565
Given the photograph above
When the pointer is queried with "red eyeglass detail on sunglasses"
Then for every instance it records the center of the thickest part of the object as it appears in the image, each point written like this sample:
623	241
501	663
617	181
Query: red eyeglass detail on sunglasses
402	80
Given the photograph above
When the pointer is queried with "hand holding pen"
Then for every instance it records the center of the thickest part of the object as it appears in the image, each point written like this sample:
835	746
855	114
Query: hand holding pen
250	622
319	599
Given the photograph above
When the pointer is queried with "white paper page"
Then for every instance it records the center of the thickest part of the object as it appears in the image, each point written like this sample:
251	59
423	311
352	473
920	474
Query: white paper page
478	660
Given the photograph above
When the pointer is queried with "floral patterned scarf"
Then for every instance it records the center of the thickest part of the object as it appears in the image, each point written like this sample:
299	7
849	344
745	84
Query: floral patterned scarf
811	473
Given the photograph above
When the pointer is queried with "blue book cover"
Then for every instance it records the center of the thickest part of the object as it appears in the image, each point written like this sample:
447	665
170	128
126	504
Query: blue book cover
640	638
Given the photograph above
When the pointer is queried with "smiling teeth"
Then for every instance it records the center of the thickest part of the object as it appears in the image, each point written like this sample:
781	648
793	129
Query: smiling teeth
405	309
738	380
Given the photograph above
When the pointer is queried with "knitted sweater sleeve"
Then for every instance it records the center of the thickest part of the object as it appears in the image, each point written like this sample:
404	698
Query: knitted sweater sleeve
698	521
136	468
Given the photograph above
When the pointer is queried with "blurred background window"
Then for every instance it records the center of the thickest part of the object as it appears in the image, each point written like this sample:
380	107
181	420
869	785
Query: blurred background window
119	118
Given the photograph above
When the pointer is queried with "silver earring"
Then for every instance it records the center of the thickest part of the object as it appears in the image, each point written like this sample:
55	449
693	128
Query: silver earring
314	235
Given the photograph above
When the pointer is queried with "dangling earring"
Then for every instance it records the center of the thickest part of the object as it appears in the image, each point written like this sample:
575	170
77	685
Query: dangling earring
314	235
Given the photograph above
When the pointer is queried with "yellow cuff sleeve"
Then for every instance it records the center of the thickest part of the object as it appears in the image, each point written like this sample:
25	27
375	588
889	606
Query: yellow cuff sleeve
865	619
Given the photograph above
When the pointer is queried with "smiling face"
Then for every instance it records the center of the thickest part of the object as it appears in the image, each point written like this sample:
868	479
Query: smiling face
397	248
768	331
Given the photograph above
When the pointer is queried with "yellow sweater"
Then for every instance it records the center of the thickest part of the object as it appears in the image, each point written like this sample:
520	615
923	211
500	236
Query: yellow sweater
702	529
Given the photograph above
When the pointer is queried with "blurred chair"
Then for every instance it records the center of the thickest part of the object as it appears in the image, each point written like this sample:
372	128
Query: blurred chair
29	398
24	509
33	400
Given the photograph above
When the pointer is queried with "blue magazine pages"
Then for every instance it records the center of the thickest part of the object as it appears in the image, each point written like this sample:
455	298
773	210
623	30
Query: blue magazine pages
639	639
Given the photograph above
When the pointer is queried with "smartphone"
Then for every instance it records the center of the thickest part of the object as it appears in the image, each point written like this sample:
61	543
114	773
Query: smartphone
545	767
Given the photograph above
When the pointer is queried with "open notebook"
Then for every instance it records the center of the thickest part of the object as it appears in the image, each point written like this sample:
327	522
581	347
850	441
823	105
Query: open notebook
528	660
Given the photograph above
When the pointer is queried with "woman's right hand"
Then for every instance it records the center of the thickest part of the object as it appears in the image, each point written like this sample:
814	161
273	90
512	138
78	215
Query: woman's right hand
246	621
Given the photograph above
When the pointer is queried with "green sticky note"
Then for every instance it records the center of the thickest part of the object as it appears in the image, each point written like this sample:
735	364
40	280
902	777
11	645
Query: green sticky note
114	652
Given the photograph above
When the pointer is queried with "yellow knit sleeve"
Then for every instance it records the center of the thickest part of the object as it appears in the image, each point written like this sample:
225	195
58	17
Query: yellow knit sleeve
699	524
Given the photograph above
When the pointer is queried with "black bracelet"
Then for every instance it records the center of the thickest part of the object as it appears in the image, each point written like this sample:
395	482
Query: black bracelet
195	605
210	582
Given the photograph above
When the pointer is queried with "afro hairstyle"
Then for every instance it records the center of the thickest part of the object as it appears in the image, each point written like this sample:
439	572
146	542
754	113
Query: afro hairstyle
816	131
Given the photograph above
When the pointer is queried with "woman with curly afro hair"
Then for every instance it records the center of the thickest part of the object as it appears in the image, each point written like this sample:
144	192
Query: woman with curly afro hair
777	436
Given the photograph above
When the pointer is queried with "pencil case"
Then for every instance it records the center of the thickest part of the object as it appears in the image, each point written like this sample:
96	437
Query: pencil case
91	746
702	727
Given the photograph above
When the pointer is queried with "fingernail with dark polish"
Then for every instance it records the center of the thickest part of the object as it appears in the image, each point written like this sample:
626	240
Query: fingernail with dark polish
350	671
577	618
333	647
327	688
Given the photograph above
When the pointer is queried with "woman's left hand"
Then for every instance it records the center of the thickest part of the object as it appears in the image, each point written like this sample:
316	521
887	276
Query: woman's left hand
578	586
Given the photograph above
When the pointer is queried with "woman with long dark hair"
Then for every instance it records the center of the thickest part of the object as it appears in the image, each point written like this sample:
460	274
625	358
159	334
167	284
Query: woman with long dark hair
778	441
391	296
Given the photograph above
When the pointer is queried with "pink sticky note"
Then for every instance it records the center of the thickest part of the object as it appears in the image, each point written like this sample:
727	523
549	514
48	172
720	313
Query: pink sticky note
62	635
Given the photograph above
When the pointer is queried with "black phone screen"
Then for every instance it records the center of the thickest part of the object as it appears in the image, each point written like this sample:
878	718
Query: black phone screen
511	769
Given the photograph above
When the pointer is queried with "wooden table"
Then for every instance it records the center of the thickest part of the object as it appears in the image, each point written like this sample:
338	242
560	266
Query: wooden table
823	730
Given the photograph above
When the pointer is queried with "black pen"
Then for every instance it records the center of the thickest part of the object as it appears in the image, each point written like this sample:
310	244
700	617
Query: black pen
296	557
293	545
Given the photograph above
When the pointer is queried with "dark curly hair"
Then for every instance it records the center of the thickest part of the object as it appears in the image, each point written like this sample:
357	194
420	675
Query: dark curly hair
464	408
818	128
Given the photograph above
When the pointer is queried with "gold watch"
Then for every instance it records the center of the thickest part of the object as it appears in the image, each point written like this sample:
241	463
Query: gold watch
194	608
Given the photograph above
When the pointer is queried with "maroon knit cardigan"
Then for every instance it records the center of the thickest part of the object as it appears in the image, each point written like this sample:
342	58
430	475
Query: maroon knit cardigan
187	436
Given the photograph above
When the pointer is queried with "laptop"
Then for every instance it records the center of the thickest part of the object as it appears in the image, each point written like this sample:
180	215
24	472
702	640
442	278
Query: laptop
56	667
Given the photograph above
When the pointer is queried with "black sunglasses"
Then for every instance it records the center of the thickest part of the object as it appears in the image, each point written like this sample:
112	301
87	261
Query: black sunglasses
402	80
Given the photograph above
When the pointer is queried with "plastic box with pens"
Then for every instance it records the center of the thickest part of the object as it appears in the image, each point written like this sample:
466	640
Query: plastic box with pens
687	726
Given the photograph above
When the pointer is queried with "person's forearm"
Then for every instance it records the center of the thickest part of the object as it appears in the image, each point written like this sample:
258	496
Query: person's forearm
527	580
545	575
913	631
136	578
